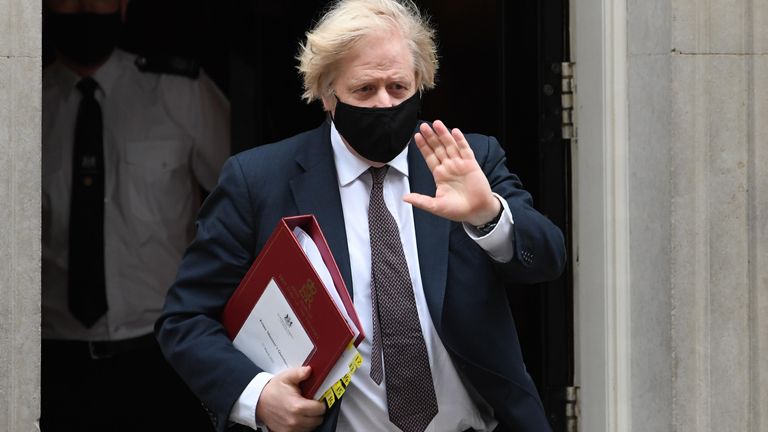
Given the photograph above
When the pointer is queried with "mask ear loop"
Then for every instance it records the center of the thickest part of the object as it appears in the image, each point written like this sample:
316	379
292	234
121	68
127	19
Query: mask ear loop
330	112
330	92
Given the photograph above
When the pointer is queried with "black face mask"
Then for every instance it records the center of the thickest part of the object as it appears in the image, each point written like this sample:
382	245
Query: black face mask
378	134
85	38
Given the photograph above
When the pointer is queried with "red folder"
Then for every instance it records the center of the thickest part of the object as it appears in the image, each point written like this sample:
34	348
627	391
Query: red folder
283	260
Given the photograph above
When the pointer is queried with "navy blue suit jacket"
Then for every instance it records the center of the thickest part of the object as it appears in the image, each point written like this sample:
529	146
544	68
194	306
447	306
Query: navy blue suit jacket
465	289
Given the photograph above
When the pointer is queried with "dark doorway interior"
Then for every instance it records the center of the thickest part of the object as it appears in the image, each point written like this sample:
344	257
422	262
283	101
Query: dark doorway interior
499	75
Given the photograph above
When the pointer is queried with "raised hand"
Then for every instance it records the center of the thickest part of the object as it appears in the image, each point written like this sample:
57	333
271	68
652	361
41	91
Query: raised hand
463	193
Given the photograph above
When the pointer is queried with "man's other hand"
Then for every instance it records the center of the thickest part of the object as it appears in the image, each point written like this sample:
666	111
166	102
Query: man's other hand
281	406
463	193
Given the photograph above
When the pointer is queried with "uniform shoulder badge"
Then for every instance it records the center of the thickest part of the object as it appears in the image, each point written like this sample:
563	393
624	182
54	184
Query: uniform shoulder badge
172	65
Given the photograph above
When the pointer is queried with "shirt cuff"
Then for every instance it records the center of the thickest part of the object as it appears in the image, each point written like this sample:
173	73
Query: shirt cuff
244	410
500	242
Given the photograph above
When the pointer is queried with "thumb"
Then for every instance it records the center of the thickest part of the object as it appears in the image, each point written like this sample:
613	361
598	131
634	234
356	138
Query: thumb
297	375
420	201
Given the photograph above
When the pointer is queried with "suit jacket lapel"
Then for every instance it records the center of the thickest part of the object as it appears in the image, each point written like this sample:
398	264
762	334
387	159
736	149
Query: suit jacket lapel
316	191
431	237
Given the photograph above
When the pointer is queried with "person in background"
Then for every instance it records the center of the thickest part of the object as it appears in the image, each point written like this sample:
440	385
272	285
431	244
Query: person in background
425	222
127	151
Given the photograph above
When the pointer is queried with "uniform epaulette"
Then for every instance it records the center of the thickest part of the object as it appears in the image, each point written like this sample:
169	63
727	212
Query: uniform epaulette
172	65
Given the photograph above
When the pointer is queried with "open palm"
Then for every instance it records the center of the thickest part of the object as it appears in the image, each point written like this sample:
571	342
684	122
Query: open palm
463	193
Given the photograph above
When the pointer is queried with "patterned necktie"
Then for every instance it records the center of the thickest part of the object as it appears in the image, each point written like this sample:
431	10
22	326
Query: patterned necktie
411	397
87	292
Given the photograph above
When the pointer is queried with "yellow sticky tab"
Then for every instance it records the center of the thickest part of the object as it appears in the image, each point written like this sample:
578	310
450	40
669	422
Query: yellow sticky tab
352	367
358	360
329	397
338	389
346	379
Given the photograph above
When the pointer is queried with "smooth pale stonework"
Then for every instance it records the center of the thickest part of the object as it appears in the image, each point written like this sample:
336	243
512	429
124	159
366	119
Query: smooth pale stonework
20	82
649	210
19	243
758	226
717	330
698	161
20	25
649	27
6	212
6	42
720	26
760	28
719	218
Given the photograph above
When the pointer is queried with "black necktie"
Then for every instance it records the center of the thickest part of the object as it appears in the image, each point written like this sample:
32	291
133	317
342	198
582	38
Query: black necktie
411	400
87	293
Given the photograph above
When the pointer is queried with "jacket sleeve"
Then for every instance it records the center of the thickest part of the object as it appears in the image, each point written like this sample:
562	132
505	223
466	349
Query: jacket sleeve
189	330
538	243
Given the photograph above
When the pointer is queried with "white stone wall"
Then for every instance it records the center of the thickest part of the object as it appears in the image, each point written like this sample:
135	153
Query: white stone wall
719	160
649	130
698	188
20	80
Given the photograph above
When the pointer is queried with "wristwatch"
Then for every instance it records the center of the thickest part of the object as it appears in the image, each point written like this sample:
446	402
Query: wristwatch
489	226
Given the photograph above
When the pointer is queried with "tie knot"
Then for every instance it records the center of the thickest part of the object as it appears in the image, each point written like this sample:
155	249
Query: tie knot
87	86
378	174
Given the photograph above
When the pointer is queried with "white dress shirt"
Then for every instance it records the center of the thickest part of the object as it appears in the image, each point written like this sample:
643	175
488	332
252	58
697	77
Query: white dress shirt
164	137
365	406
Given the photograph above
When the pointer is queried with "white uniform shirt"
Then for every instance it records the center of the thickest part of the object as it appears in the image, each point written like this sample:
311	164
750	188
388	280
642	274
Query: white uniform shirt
365	404
164	137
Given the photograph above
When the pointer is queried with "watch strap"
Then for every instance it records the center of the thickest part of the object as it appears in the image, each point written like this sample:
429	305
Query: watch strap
489	226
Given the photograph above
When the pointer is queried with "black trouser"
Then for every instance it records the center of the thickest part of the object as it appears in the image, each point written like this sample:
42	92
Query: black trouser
126	386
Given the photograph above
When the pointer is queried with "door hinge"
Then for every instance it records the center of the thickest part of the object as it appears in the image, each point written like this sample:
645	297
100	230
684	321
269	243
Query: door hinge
572	409
567	91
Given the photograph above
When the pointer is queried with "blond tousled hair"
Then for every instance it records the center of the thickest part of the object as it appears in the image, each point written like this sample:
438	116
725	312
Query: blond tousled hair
345	23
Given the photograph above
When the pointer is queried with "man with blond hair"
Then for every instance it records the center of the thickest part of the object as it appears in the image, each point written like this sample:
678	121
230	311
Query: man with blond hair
426	225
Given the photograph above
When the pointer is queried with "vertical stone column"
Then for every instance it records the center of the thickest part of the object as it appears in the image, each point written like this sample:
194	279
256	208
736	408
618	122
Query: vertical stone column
649	133
719	241
698	188
697	215
758	233
20	93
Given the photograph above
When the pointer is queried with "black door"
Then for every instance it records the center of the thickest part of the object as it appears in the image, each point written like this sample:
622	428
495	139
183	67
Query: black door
499	75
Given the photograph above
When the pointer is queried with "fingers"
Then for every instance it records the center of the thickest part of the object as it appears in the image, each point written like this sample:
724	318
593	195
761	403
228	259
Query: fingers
433	140
296	424
305	414
441	141
311	408
426	150
296	375
446	139
461	143
282	407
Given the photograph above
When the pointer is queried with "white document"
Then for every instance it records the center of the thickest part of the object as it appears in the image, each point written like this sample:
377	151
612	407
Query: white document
340	369
313	253
272	336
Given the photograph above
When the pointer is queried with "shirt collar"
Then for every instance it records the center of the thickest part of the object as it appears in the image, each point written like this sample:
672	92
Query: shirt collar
350	166
106	75
61	77
110	71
